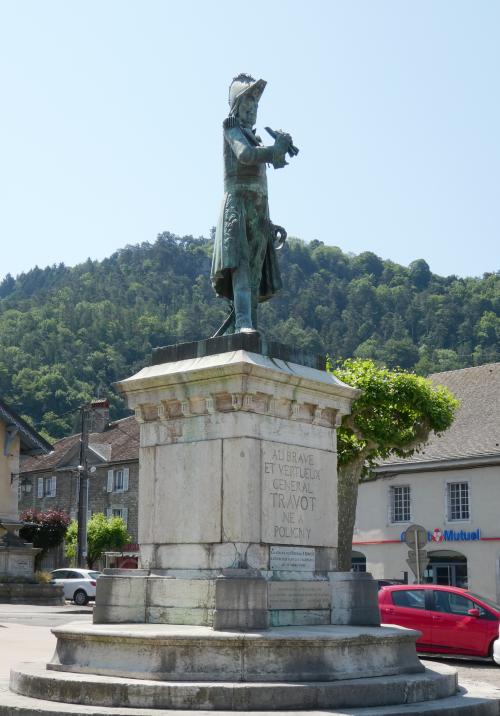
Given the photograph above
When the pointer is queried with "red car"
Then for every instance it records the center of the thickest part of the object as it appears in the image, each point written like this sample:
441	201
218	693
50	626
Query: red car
452	620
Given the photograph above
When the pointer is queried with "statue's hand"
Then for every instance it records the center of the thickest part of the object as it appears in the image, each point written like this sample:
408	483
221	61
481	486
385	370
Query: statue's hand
283	141
282	144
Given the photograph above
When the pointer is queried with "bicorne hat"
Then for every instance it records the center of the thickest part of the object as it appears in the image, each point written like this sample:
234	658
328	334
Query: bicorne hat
245	84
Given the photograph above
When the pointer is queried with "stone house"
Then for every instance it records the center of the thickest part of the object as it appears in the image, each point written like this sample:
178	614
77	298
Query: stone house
451	487
17	439
51	481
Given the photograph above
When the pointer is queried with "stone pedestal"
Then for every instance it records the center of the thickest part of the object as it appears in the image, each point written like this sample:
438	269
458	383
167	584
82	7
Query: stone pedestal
17	560
238	471
17	557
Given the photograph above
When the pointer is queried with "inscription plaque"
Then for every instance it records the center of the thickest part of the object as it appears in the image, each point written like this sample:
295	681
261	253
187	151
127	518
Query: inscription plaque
292	559
299	495
299	595
20	566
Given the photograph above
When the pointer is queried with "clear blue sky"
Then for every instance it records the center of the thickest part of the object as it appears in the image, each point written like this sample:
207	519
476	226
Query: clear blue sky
111	124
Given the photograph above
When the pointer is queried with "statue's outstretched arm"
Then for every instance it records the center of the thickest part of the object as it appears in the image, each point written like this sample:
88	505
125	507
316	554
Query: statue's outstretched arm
248	154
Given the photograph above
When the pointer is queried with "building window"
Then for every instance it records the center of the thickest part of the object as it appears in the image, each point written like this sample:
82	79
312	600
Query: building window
458	501
400	504
46	487
358	562
118	480
118	512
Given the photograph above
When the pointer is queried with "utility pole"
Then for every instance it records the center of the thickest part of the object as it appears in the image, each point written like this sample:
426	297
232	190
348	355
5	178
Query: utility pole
81	552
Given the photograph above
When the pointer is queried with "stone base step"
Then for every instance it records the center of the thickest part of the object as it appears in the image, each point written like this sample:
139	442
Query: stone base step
33	680
169	652
478	700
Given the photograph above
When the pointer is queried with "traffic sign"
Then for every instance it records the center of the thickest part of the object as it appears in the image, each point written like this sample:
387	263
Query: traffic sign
416	537
423	561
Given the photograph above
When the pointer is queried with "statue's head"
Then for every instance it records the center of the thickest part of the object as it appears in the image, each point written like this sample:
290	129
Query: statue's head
244	95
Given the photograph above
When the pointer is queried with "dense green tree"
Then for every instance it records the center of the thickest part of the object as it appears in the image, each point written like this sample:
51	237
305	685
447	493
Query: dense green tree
394	414
66	334
104	534
420	273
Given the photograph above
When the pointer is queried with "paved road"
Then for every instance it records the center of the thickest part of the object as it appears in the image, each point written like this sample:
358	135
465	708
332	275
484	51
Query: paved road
474	671
34	615
25	632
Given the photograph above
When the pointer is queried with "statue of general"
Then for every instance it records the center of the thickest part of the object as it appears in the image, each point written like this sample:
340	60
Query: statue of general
244	266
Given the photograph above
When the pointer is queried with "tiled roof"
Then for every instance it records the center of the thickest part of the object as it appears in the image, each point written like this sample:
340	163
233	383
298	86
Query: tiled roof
31	441
119	442
475	431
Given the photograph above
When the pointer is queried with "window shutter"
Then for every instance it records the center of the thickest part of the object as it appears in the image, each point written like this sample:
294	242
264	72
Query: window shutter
109	510
53	486
39	488
125	479
125	515
110	480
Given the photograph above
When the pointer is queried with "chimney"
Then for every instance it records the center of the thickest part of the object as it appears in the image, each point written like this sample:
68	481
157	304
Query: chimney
99	416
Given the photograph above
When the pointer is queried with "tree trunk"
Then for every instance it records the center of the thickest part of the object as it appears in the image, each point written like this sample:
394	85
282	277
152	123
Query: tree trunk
348	480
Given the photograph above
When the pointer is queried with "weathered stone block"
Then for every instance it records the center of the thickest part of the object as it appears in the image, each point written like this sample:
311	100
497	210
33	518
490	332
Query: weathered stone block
114	590
326	559
241	489
241	600
298	617
184	593
294	595
123	614
180	495
47	594
354	599
180	615
182	556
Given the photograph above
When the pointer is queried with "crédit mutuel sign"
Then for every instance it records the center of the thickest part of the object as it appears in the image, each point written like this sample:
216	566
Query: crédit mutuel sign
439	536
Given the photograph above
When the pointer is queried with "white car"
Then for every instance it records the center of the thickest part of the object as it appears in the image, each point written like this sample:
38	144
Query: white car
79	584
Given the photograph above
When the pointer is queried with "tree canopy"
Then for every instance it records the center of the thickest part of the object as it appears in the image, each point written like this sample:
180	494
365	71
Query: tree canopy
104	534
394	415
66	334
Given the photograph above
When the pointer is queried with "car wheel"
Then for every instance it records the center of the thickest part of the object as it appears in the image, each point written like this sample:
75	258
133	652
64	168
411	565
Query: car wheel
80	597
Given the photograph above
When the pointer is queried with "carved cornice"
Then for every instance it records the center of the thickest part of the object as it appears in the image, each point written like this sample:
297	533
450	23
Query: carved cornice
208	405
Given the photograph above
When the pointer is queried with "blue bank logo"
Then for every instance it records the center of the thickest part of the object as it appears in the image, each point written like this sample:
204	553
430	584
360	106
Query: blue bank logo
437	536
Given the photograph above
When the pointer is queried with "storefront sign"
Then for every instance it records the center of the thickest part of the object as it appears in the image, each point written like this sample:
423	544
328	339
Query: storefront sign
439	536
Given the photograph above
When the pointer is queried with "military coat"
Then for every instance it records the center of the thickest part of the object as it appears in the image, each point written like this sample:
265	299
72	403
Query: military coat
245	186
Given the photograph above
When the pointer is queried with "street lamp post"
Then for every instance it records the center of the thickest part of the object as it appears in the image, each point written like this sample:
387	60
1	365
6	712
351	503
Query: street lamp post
81	552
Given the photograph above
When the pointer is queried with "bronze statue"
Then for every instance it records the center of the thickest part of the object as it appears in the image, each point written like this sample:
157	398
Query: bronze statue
244	266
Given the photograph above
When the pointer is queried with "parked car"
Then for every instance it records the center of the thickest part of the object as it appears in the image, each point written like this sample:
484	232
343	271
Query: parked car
452	620
79	584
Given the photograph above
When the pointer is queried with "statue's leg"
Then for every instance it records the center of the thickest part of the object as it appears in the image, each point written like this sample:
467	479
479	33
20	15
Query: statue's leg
257	231
242	298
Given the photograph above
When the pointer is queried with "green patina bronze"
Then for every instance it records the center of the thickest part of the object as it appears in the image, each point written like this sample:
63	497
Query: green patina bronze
245	267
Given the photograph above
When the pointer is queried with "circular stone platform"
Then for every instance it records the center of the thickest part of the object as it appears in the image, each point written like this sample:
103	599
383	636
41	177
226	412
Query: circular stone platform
33	680
194	653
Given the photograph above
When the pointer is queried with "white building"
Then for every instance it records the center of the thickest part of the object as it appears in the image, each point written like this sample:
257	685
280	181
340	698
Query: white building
451	487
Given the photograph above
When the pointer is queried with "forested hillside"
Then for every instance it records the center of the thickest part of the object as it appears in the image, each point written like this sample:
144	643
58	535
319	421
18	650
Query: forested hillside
67	333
